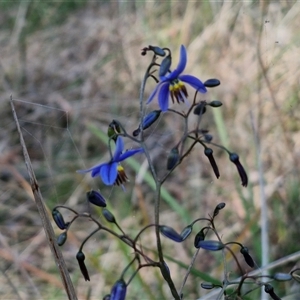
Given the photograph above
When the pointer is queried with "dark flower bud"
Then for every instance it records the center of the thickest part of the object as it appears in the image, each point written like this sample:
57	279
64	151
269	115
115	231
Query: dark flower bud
170	233
157	50
186	232
210	83
243	175
282	276
209	153
106	297
58	219
208	137
61	239
215	103
108	216
247	257
270	290
218	208
113	130
148	120
200	236
80	258
118	291
207	285
165	66
200	109
96	198
210	245
173	158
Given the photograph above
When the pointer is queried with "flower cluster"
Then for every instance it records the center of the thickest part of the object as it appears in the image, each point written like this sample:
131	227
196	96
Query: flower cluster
175	86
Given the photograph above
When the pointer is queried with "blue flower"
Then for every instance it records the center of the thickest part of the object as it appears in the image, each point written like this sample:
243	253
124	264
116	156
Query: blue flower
172	84
112	172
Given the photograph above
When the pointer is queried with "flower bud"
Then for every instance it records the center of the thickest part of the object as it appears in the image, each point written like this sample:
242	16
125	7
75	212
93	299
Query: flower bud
61	239
118	291
243	175
218	208
270	290
186	232
215	103
207	285
170	233
208	137
247	257
209	153
200	109
58	219
157	50
96	198
148	120
108	216
165	66
282	276
210	245
211	83
173	158
200	236
80	258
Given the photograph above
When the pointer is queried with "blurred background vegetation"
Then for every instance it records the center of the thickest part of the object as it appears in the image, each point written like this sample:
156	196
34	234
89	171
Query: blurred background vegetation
73	66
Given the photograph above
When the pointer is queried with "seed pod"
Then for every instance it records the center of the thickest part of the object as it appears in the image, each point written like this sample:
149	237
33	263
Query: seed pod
210	245
80	258
173	158
270	290
96	198
61	239
58	219
118	291
113	130
211	83
170	233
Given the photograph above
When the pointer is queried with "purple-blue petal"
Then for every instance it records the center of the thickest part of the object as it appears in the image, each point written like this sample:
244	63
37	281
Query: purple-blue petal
109	172
180	67
119	148
182	61
163	97
194	82
129	153
94	170
151	97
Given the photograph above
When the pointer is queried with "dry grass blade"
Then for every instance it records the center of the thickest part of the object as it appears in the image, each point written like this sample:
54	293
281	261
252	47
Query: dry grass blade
44	216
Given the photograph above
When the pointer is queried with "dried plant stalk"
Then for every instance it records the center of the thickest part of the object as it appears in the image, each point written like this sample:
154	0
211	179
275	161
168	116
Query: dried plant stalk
62	268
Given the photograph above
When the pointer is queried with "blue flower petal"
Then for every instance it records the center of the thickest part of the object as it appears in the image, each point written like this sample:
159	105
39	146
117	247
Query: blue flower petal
151	97
119	148
94	169
180	67
109	172
129	153
163	97
194	82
